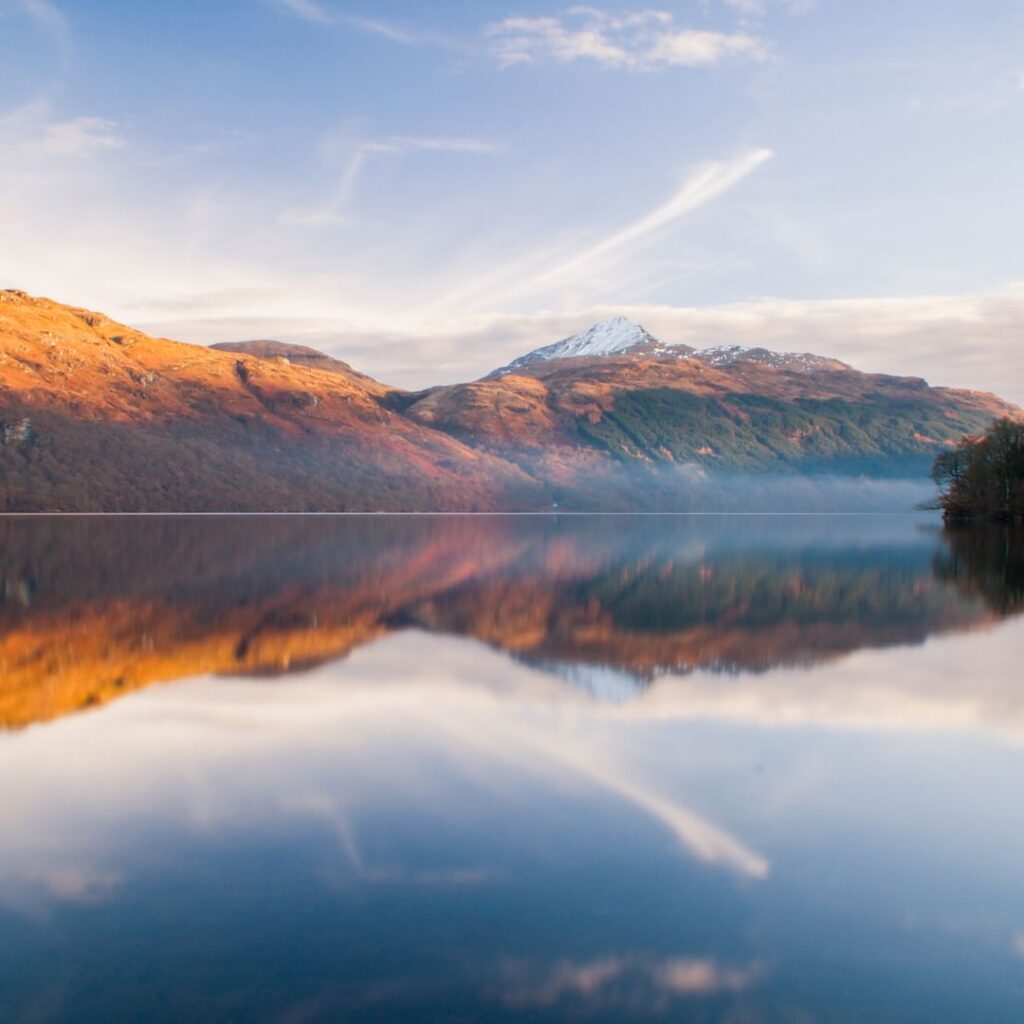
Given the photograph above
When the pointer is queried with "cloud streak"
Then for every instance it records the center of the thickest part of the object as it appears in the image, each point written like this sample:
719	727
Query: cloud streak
635	41
317	14
307	10
49	17
333	211
706	184
83	136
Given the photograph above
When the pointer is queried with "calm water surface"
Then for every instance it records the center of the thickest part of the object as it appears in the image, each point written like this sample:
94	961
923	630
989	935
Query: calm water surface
511	769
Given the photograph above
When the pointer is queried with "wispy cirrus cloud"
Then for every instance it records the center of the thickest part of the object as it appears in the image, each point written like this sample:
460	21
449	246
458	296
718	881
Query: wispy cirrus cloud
377	27
332	211
48	18
84	136
319	14
307	10
758	8
32	131
536	277
638	41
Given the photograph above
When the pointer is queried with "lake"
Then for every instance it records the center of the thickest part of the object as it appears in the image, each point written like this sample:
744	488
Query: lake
448	769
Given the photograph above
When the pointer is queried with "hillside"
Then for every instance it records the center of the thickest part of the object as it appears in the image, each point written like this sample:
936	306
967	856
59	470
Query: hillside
301	355
95	416
726	409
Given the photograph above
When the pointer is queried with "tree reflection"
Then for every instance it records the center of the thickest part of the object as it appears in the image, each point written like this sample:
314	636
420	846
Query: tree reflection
986	561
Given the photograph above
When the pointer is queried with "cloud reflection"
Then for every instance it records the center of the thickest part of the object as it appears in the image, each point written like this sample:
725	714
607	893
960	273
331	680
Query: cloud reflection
635	983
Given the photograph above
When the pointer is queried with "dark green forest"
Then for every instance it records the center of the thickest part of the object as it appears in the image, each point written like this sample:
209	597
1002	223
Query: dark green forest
983	477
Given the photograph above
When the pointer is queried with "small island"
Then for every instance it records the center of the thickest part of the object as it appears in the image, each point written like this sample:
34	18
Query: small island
983	477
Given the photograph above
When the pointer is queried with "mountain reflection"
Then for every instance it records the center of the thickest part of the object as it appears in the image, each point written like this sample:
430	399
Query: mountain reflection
94	608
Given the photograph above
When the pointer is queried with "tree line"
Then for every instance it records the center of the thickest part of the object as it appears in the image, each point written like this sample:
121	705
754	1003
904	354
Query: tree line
983	477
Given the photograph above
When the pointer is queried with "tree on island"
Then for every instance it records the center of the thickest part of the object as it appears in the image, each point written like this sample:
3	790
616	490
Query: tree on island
983	477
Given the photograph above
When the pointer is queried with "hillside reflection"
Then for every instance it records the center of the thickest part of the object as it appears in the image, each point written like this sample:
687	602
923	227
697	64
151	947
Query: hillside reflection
94	608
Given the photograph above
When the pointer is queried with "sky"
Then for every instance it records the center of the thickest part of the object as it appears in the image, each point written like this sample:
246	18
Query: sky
429	190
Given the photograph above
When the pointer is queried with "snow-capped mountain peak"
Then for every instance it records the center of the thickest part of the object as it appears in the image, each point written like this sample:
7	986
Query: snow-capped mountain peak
620	335
615	335
610	337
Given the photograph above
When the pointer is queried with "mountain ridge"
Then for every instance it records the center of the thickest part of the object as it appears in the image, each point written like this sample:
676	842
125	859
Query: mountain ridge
96	416
620	336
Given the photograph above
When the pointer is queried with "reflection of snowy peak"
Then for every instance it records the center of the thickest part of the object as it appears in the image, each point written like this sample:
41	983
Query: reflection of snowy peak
611	337
799	362
604	683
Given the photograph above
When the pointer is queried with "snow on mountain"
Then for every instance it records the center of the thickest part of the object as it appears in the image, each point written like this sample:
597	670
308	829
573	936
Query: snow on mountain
615	335
799	362
605	683
621	335
610	337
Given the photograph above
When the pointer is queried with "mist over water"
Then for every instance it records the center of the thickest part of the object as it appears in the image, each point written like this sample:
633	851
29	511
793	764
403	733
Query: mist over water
714	768
823	492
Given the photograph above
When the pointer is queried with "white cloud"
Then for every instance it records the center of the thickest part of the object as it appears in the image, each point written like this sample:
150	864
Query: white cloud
694	49
644	40
82	137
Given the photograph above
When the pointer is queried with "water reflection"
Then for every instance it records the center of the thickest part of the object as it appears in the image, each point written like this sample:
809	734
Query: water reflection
987	561
499	769
95	608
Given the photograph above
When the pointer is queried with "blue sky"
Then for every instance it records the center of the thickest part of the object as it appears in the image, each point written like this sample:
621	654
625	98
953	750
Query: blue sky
429	189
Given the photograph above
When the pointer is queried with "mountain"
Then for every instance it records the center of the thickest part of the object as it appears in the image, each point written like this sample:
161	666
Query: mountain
300	355
95	416
586	411
620	336
795	362
611	337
